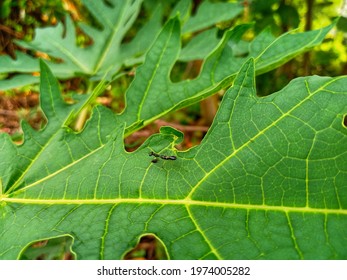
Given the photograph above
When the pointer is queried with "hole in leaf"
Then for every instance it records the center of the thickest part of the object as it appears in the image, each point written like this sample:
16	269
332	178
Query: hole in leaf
183	71
52	249
136	139
114	96
344	121
273	81
149	248
16	106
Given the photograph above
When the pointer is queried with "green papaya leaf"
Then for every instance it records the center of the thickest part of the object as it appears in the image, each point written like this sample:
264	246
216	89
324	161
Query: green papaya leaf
152	94
267	182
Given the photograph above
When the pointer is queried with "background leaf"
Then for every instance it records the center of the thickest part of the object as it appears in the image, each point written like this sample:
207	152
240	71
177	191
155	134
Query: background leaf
267	182
101	57
108	51
152	94
209	13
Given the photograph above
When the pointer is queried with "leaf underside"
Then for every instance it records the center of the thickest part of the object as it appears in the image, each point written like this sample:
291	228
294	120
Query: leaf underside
268	180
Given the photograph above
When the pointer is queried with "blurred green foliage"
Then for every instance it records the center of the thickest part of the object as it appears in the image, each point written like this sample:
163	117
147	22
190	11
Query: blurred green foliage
327	59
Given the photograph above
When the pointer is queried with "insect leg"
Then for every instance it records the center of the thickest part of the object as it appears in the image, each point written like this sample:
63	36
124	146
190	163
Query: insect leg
154	154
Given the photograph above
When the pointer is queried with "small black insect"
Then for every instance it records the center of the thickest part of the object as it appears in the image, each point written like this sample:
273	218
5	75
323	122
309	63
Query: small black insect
157	156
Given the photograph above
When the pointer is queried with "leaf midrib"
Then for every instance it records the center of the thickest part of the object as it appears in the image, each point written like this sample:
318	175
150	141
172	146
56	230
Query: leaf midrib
181	202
